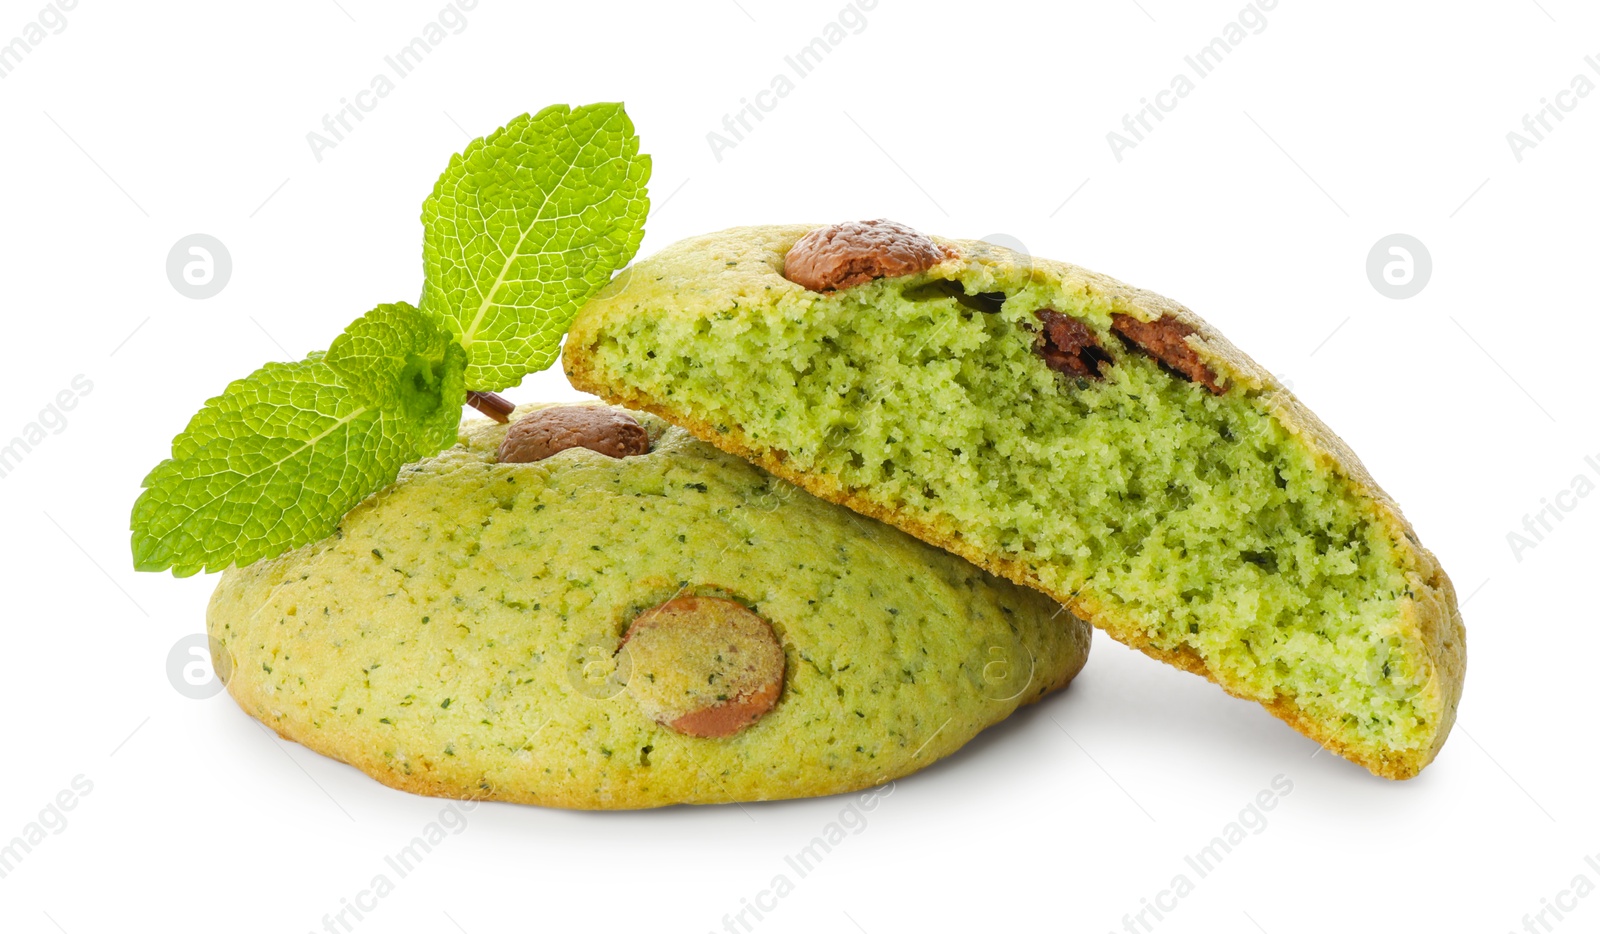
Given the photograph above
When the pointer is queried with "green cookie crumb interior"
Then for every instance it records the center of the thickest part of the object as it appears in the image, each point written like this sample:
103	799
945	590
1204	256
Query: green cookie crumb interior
1144	493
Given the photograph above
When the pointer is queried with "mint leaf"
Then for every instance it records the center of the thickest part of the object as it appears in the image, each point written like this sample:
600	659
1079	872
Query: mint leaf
278	459
524	226
396	357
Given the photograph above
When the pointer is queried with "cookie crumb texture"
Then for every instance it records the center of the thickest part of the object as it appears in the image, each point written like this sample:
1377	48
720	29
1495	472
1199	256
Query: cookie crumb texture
459	635
1071	433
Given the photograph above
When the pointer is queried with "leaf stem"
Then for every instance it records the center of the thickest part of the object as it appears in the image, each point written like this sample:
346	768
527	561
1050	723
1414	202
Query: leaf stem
495	406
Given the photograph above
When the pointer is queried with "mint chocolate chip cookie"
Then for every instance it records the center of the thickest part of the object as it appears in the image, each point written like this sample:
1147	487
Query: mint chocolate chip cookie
590	609
1092	440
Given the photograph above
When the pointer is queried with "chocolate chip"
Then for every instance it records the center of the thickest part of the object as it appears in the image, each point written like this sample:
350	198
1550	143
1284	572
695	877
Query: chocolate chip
986	302
1163	339
851	253
544	432
703	666
1068	346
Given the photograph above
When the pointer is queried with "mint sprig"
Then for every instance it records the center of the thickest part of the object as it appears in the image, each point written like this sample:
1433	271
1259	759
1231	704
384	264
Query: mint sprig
279	457
520	230
524	226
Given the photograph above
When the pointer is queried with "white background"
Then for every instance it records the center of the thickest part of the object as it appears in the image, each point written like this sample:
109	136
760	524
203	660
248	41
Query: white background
1255	202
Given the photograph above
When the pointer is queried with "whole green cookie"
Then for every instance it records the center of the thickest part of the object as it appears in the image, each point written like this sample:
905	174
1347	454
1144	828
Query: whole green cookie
602	612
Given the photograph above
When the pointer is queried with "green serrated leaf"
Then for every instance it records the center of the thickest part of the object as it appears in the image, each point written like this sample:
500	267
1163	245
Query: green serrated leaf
397	357
278	459
524	226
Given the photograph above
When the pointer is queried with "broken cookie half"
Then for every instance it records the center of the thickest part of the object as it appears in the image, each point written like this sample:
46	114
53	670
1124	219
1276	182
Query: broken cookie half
1092	440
